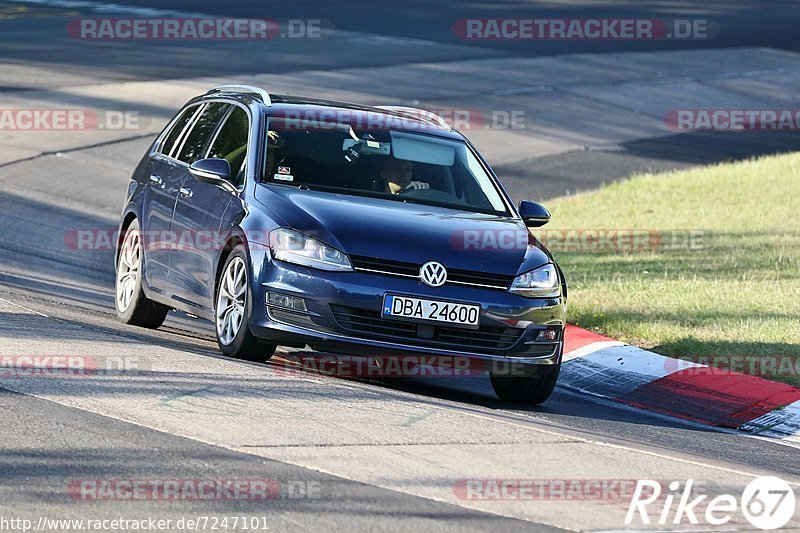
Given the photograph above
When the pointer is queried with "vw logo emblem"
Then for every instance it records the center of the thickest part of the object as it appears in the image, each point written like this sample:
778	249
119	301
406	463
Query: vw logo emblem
433	273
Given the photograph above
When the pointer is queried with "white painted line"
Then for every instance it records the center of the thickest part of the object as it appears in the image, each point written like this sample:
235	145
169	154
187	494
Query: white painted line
616	369
583	351
639	361
23	308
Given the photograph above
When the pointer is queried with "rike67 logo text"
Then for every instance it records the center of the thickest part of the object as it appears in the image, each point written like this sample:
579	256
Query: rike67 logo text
767	503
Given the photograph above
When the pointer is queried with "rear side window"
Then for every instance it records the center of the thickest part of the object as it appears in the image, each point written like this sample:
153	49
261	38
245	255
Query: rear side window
198	137
177	128
231	144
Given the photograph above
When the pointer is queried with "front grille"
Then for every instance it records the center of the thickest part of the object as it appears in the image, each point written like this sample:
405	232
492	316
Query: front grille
399	268
498	281
454	275
370	324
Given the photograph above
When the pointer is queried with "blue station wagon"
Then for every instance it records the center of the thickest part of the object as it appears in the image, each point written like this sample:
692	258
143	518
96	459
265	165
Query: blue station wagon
351	229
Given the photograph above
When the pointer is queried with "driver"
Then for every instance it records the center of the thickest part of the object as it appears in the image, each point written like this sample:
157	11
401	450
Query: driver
397	173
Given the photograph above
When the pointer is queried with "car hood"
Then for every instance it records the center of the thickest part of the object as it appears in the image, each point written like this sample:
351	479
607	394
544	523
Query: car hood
408	232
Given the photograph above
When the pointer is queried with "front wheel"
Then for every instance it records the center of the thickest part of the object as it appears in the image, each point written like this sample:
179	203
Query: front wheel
233	309
133	307
531	390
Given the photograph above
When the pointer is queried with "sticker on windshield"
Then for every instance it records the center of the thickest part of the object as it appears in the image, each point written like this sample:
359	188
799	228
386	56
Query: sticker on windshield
284	177
284	170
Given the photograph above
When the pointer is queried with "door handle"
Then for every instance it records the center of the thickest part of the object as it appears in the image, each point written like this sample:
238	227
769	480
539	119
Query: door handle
156	180
186	193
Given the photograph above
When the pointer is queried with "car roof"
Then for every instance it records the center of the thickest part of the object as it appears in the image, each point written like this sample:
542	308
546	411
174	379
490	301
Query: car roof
402	118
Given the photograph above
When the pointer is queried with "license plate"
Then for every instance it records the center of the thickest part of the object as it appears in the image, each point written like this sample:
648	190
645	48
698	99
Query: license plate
404	307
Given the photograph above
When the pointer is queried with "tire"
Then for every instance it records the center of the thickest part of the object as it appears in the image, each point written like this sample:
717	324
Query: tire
232	311
531	390
133	307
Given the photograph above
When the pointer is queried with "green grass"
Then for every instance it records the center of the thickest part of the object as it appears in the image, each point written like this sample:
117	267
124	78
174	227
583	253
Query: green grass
739	294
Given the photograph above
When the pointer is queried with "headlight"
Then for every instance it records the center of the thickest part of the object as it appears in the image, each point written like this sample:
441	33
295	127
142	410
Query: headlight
294	247
539	283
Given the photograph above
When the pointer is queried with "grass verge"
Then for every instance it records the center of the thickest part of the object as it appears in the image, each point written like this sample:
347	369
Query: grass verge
713	273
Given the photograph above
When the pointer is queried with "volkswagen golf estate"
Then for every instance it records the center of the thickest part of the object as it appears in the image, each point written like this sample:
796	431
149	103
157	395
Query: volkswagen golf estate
350	229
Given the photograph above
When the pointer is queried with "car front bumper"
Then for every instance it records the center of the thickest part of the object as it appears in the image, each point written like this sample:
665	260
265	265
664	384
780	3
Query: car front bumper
509	324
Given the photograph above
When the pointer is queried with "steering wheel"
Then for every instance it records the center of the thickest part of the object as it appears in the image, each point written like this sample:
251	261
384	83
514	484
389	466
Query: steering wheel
428	194
408	189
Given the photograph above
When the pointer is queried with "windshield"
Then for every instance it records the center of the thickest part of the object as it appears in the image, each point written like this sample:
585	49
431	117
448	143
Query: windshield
395	165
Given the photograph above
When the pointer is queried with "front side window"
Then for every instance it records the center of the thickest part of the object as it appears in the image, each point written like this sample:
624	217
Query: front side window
178	127
197	139
391	164
231	144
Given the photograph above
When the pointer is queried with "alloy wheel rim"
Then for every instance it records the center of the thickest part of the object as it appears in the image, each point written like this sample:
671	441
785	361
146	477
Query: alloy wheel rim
231	301
128	270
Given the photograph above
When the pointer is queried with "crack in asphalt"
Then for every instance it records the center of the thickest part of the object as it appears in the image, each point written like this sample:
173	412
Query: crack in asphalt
75	149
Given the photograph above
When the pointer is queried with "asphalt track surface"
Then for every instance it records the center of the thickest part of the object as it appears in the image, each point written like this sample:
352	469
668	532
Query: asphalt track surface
385	453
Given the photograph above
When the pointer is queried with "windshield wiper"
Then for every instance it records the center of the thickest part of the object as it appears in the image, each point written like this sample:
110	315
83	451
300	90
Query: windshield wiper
300	186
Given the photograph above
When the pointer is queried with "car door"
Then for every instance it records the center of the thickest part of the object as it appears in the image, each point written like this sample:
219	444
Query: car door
201	207
163	185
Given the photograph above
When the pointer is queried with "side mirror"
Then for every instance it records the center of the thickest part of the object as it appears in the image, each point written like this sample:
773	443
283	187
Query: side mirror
534	215
213	171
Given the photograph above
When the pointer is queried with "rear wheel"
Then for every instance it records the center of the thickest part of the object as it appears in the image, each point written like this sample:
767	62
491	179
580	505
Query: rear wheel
133	307
526	389
232	312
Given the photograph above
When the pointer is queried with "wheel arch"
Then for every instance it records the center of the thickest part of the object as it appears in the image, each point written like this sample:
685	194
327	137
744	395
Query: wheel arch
233	241
127	220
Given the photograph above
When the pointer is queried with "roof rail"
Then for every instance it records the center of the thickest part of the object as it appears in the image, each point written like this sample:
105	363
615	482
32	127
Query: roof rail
421	114
258	91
